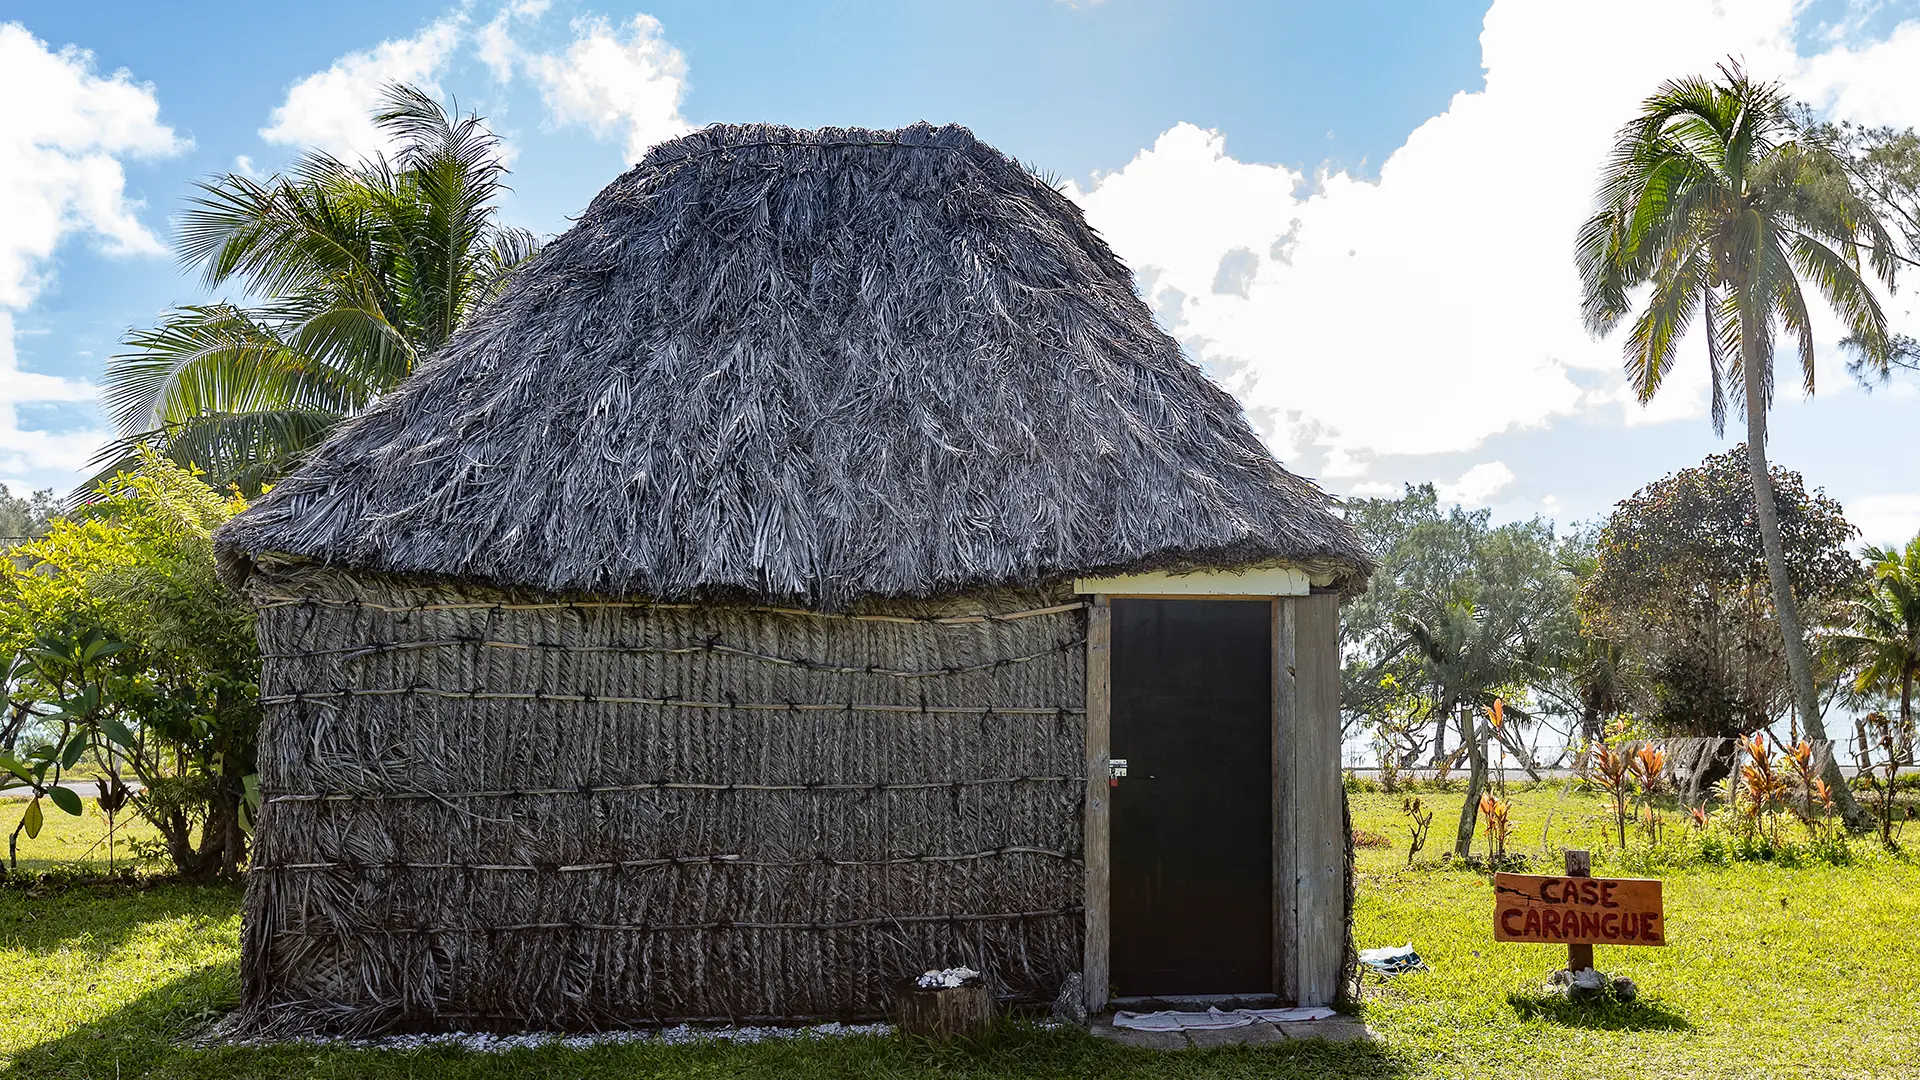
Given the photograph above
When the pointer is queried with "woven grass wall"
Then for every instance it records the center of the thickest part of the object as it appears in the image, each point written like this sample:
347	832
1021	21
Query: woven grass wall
496	811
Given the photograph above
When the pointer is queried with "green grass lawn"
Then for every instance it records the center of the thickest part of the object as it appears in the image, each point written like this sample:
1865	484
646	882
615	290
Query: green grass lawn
1773	971
78	843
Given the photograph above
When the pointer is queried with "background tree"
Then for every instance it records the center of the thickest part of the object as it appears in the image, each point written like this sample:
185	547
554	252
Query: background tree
24	518
1721	203
139	658
1884	163
1591	674
364	269
1459	613
1423	552
1883	635
1680	582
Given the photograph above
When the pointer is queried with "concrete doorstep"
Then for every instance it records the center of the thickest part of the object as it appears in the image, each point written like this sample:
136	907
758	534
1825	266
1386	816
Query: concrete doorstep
1333	1029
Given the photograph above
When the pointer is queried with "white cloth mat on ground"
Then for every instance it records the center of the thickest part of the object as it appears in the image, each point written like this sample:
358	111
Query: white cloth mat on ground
1214	1019
1289	1016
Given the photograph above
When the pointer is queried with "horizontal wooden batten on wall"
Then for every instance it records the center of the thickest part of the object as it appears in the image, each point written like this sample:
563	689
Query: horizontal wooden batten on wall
1247	583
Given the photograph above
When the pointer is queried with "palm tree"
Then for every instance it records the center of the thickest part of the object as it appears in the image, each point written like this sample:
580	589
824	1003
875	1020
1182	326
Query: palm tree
1470	653
1885	633
1592	665
363	268
1723	204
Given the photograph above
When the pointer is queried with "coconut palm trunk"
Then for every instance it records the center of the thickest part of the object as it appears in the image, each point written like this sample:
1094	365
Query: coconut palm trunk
1806	698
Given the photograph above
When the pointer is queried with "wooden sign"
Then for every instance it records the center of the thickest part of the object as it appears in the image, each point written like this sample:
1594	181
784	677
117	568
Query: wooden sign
1577	910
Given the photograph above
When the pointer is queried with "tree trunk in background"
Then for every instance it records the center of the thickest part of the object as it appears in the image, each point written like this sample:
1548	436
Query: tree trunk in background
223	843
1476	745
1806	699
1903	740
225	815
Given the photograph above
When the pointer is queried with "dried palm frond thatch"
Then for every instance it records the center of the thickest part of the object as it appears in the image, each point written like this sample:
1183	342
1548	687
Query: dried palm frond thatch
808	367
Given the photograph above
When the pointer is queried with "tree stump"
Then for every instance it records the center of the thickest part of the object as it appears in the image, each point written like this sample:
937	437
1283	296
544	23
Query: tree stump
959	1012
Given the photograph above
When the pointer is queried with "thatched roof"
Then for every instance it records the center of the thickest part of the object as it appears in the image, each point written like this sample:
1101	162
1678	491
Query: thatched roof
805	366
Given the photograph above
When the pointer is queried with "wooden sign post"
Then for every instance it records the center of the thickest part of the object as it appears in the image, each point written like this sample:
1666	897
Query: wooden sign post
1579	864
1578	910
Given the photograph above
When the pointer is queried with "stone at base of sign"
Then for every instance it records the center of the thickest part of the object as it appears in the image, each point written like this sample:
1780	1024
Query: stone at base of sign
1588	985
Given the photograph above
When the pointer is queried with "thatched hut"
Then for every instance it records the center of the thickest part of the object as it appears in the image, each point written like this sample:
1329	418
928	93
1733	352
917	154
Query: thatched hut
742	612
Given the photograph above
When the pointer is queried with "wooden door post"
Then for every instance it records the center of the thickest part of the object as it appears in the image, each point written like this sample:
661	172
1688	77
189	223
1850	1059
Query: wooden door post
1309	861
1579	864
1095	968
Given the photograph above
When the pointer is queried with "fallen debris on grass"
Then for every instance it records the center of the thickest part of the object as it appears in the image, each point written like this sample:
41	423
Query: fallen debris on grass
1389	962
487	1043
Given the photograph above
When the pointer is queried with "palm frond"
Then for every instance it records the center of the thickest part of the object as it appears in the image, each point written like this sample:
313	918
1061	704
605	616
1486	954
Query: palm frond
246	450
217	358
1839	281
364	268
1678	291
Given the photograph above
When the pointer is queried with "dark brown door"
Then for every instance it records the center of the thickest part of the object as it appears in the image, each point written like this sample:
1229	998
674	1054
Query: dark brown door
1192	821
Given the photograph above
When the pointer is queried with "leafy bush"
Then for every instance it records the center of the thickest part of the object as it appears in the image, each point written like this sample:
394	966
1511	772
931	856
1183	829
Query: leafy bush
133	658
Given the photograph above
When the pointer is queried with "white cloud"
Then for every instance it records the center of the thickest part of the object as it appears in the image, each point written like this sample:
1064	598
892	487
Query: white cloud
613	83
620	81
64	133
1886	519
332	109
1477	485
495	45
1431	309
30	458
1875	83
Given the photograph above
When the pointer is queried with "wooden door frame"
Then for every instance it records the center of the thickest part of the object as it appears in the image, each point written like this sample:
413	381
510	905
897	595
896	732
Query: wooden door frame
1309	854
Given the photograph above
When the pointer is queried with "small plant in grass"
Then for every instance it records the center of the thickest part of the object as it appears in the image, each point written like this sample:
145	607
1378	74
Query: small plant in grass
1876	732
1367	838
1828	841
1647	768
113	797
1419	821
1608	772
1759	792
1496	813
1815	795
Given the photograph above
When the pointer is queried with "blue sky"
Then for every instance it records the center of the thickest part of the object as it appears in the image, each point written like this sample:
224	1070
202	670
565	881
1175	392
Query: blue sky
1358	216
